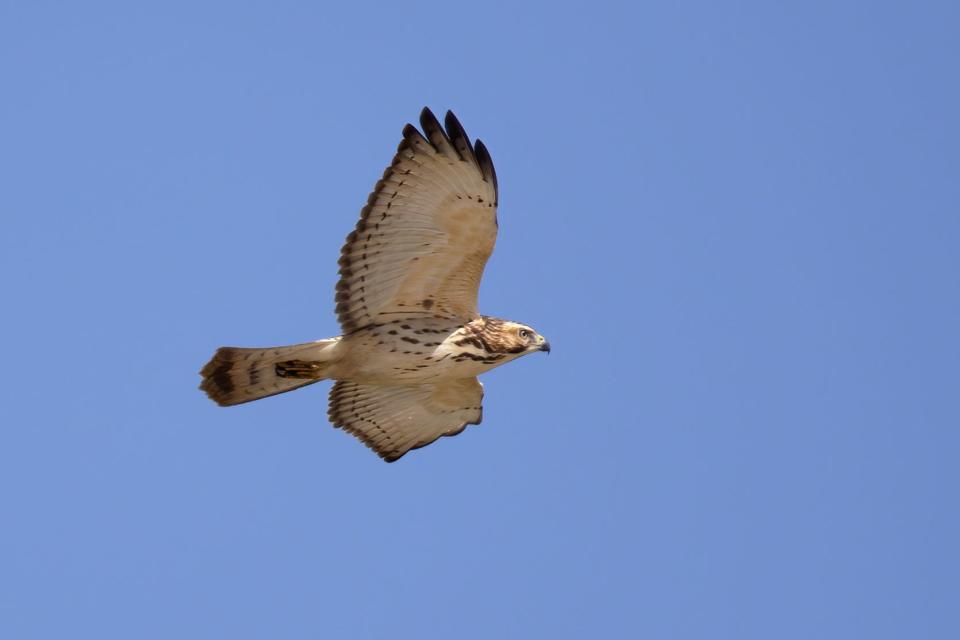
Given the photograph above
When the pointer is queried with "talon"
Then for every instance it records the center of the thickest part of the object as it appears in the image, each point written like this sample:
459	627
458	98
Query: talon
297	369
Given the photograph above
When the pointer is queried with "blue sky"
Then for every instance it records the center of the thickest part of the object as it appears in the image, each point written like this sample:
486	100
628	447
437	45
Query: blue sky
737	223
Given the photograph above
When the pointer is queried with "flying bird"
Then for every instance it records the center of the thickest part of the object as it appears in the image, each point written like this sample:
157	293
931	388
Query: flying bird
413	343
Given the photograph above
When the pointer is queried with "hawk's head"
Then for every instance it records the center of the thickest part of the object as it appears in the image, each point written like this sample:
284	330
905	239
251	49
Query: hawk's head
507	338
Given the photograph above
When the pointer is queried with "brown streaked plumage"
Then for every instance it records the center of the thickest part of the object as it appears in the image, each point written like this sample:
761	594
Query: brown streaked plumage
414	342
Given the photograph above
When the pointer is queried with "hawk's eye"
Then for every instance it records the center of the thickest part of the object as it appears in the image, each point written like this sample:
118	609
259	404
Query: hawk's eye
523	333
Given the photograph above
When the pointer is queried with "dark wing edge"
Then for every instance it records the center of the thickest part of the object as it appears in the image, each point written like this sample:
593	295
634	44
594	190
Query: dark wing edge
486	166
453	143
460	429
386	454
394	457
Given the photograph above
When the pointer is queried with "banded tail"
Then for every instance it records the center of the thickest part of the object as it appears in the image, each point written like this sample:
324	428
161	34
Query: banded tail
236	375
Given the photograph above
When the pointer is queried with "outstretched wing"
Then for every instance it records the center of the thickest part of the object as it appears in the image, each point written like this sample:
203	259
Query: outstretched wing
393	419
425	234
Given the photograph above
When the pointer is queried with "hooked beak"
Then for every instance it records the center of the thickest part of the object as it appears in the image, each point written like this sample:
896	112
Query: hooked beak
544	345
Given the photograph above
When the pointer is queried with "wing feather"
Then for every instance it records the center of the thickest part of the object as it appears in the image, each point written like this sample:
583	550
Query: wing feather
423	239
459	139
394	419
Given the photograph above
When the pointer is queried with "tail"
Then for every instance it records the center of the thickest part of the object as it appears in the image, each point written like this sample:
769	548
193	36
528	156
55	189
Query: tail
235	375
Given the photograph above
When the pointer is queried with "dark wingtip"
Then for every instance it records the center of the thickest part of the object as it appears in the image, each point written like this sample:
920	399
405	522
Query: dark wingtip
429	123
435	133
411	139
426	116
452	124
458	136
486	165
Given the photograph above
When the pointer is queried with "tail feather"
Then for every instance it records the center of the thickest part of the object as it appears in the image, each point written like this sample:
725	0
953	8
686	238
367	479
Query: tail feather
236	375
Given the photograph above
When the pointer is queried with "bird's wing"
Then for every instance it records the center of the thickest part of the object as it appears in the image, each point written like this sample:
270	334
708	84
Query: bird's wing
425	234
393	419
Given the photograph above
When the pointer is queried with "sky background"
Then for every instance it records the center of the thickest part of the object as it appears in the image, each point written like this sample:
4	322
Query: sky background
737	223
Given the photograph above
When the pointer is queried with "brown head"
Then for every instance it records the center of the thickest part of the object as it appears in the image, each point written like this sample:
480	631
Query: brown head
504	337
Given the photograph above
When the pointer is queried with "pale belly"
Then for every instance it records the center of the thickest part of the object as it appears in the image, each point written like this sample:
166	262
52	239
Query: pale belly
407	351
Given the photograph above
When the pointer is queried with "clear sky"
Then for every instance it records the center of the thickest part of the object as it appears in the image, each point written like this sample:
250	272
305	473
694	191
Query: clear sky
737	223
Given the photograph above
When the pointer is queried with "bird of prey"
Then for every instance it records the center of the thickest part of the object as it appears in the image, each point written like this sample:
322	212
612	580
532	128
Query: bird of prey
413	343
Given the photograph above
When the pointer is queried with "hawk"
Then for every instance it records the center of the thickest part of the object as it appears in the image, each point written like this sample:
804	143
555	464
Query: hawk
413	343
